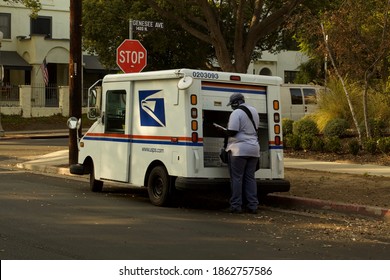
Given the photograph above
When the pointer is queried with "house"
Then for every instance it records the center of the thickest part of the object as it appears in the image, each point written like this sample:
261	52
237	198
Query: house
283	64
32	47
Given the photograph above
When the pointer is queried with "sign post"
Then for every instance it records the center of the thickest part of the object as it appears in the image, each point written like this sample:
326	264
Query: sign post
131	56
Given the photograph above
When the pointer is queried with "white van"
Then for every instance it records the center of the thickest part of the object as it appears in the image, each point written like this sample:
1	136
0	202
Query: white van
298	100
155	129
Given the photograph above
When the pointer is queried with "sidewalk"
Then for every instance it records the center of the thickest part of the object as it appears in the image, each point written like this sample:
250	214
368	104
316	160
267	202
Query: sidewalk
57	163
338	167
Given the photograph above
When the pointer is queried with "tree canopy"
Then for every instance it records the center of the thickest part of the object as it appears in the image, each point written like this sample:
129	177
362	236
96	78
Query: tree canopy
234	28
106	26
357	33
197	33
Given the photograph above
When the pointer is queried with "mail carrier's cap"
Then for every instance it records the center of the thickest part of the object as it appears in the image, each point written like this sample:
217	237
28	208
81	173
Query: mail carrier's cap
235	97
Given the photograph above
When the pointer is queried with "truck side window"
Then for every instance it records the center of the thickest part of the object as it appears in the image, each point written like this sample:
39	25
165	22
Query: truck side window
310	96
115	111
296	96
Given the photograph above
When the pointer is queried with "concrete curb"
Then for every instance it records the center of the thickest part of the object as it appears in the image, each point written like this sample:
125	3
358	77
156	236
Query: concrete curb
44	168
301	202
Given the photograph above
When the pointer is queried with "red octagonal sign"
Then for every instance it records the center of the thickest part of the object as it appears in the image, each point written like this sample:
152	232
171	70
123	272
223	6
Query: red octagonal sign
131	56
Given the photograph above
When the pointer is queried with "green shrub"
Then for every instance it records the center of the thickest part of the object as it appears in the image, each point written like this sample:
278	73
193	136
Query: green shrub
383	144
377	128
336	127
333	144
307	141
293	141
318	144
354	147
305	126
287	127
370	145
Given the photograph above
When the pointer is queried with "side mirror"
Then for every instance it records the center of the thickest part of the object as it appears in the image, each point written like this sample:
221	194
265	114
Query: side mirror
94	101
73	123
185	82
92	114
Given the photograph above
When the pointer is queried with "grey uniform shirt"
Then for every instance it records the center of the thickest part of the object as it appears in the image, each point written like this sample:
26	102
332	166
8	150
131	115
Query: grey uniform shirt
245	142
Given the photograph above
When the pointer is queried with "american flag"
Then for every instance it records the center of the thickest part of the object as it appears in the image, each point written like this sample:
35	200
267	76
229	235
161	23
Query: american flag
45	72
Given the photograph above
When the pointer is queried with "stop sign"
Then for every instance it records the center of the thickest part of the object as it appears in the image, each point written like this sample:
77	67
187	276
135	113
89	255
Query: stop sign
131	56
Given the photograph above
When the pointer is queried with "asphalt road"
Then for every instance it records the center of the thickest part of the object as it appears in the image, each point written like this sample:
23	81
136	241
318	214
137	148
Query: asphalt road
55	217
47	217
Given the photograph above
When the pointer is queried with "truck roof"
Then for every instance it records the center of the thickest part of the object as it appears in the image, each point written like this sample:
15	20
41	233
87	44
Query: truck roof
196	74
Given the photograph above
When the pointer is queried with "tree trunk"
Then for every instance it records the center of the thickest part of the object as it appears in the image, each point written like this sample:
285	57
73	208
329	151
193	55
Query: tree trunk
343	84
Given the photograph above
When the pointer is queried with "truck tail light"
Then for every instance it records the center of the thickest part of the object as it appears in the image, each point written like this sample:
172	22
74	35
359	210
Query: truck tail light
194	137
276	105
235	78
276	118
194	113
277	140
277	129
194	99
194	125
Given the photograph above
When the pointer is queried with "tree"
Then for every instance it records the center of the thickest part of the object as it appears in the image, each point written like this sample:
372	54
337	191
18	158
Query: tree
356	36
34	5
234	28
170	47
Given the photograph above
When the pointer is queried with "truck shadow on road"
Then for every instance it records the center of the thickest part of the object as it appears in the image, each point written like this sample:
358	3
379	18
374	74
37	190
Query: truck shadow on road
191	199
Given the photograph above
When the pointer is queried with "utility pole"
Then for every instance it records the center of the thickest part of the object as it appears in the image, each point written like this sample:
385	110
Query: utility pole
2	133
75	75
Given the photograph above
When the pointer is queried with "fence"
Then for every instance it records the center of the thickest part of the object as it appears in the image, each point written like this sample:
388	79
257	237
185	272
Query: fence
36	100
9	95
45	96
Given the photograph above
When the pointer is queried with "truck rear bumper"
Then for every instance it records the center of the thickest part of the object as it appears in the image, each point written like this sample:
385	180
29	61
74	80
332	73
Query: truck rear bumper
263	186
77	169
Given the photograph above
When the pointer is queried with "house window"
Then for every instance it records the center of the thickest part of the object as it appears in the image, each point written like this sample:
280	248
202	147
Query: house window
266	72
289	76
5	25
41	26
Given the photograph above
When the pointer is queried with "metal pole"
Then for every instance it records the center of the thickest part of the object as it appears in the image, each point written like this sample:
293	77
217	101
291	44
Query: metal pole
2	132
130	29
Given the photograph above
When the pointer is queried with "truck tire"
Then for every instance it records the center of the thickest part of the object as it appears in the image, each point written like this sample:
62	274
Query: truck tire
94	185
160	188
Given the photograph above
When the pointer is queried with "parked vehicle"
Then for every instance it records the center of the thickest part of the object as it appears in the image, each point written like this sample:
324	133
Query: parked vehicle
155	129
298	101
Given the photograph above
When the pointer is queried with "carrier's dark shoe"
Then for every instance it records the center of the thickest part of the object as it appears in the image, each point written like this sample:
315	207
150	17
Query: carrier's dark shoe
233	211
252	211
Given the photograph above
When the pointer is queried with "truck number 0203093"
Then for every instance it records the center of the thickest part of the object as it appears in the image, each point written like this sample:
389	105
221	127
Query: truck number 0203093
205	75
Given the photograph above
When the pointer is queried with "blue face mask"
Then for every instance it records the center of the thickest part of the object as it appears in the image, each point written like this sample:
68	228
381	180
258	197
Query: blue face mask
235	105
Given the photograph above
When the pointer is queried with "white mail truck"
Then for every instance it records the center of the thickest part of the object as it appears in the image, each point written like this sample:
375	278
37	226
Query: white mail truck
155	130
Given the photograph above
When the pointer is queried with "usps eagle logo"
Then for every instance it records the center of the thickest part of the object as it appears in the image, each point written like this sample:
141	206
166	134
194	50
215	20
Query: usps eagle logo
152	108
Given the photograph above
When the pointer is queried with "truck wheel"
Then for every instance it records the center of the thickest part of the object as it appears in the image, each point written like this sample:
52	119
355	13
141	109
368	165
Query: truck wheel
94	185
160	188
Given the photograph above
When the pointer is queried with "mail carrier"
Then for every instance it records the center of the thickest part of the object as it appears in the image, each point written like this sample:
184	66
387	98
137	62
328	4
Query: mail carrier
155	129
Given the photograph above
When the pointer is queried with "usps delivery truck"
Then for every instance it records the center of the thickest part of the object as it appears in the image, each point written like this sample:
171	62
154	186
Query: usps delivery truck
156	130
